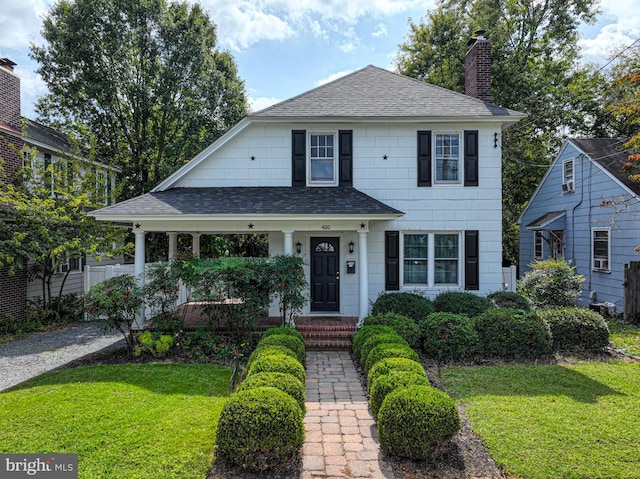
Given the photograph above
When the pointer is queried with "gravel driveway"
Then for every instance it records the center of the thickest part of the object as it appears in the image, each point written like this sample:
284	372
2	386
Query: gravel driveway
41	352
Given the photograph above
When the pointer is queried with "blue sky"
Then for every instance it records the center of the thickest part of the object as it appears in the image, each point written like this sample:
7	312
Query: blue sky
286	47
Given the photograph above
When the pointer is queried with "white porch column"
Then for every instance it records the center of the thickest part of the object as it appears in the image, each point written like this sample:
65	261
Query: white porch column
363	277
138	272
288	242
173	245
195	244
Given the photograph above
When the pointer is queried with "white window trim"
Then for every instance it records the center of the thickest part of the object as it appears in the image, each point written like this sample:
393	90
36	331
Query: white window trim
538	234
568	182
336	154
593	259
431	260
434	172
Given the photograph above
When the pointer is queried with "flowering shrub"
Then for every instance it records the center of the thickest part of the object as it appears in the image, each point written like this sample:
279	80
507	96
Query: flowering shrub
114	304
552	282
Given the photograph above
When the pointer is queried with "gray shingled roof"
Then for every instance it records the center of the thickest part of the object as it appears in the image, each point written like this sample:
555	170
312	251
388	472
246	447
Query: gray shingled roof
53	139
250	201
376	92
610	154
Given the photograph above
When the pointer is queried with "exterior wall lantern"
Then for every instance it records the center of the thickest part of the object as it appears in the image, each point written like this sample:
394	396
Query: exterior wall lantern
351	246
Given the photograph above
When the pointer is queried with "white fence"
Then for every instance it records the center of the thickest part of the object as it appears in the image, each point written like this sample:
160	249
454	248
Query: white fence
96	274
509	278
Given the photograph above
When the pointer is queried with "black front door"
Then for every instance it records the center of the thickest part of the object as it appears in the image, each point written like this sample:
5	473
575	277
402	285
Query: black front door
325	274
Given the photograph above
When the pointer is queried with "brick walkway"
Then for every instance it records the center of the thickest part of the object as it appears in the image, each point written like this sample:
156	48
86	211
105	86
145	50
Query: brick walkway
341	435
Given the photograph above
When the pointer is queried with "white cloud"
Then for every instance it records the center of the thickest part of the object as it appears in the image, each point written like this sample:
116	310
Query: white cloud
621	20
381	31
20	22
257	104
333	76
245	22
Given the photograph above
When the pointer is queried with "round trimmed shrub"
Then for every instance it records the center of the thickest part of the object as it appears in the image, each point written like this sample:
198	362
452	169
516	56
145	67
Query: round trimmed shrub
277	363
461	302
373	341
509	299
389	365
513	334
294	344
365	332
405	327
414	421
283	381
388	351
260	428
576	329
411	305
268	351
449	336
383	385
283	330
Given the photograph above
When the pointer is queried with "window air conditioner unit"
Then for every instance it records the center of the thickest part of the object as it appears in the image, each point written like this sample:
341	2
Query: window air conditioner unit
600	263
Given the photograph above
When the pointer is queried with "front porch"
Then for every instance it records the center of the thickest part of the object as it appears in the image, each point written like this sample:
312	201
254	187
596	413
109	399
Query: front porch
319	332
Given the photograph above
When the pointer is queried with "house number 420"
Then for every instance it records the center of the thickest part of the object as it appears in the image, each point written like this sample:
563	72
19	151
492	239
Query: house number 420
326	227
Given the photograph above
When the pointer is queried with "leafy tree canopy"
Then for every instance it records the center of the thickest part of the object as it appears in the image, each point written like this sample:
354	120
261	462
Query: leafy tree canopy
144	76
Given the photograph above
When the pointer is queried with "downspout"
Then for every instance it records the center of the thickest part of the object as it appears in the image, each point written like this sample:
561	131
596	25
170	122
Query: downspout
582	159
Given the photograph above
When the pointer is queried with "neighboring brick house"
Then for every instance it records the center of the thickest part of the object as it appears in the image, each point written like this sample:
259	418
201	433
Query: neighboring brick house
13	296
17	133
380	181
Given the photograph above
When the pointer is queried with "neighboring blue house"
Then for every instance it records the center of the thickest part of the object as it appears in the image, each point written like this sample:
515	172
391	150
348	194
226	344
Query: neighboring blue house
587	211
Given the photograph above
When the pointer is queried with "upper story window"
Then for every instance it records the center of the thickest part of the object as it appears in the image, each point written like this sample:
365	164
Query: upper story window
447	155
601	249
568	181
322	163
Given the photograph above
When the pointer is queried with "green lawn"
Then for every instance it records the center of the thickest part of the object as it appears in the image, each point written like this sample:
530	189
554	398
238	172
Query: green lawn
625	336
125	421
578	421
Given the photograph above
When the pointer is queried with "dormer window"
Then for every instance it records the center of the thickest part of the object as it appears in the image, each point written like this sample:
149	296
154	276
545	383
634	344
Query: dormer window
568	184
322	159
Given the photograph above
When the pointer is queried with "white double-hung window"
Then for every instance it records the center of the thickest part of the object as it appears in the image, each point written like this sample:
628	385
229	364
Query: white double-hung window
447	154
601	249
322	159
431	259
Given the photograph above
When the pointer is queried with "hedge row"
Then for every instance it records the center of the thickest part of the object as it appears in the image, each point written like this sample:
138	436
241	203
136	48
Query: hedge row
500	326
261	426
413	417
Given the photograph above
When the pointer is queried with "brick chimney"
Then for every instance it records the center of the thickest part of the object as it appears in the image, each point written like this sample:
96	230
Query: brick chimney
9	95
477	68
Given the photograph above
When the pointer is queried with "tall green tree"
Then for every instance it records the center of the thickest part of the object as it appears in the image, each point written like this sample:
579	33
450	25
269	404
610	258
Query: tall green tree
144	76
535	70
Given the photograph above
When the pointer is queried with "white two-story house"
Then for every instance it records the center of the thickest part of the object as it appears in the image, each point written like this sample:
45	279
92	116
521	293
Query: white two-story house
380	181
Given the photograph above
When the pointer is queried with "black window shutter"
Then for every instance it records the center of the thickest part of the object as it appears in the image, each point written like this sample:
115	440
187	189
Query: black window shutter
471	158
298	158
471	260
424	158
345	142
392	260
